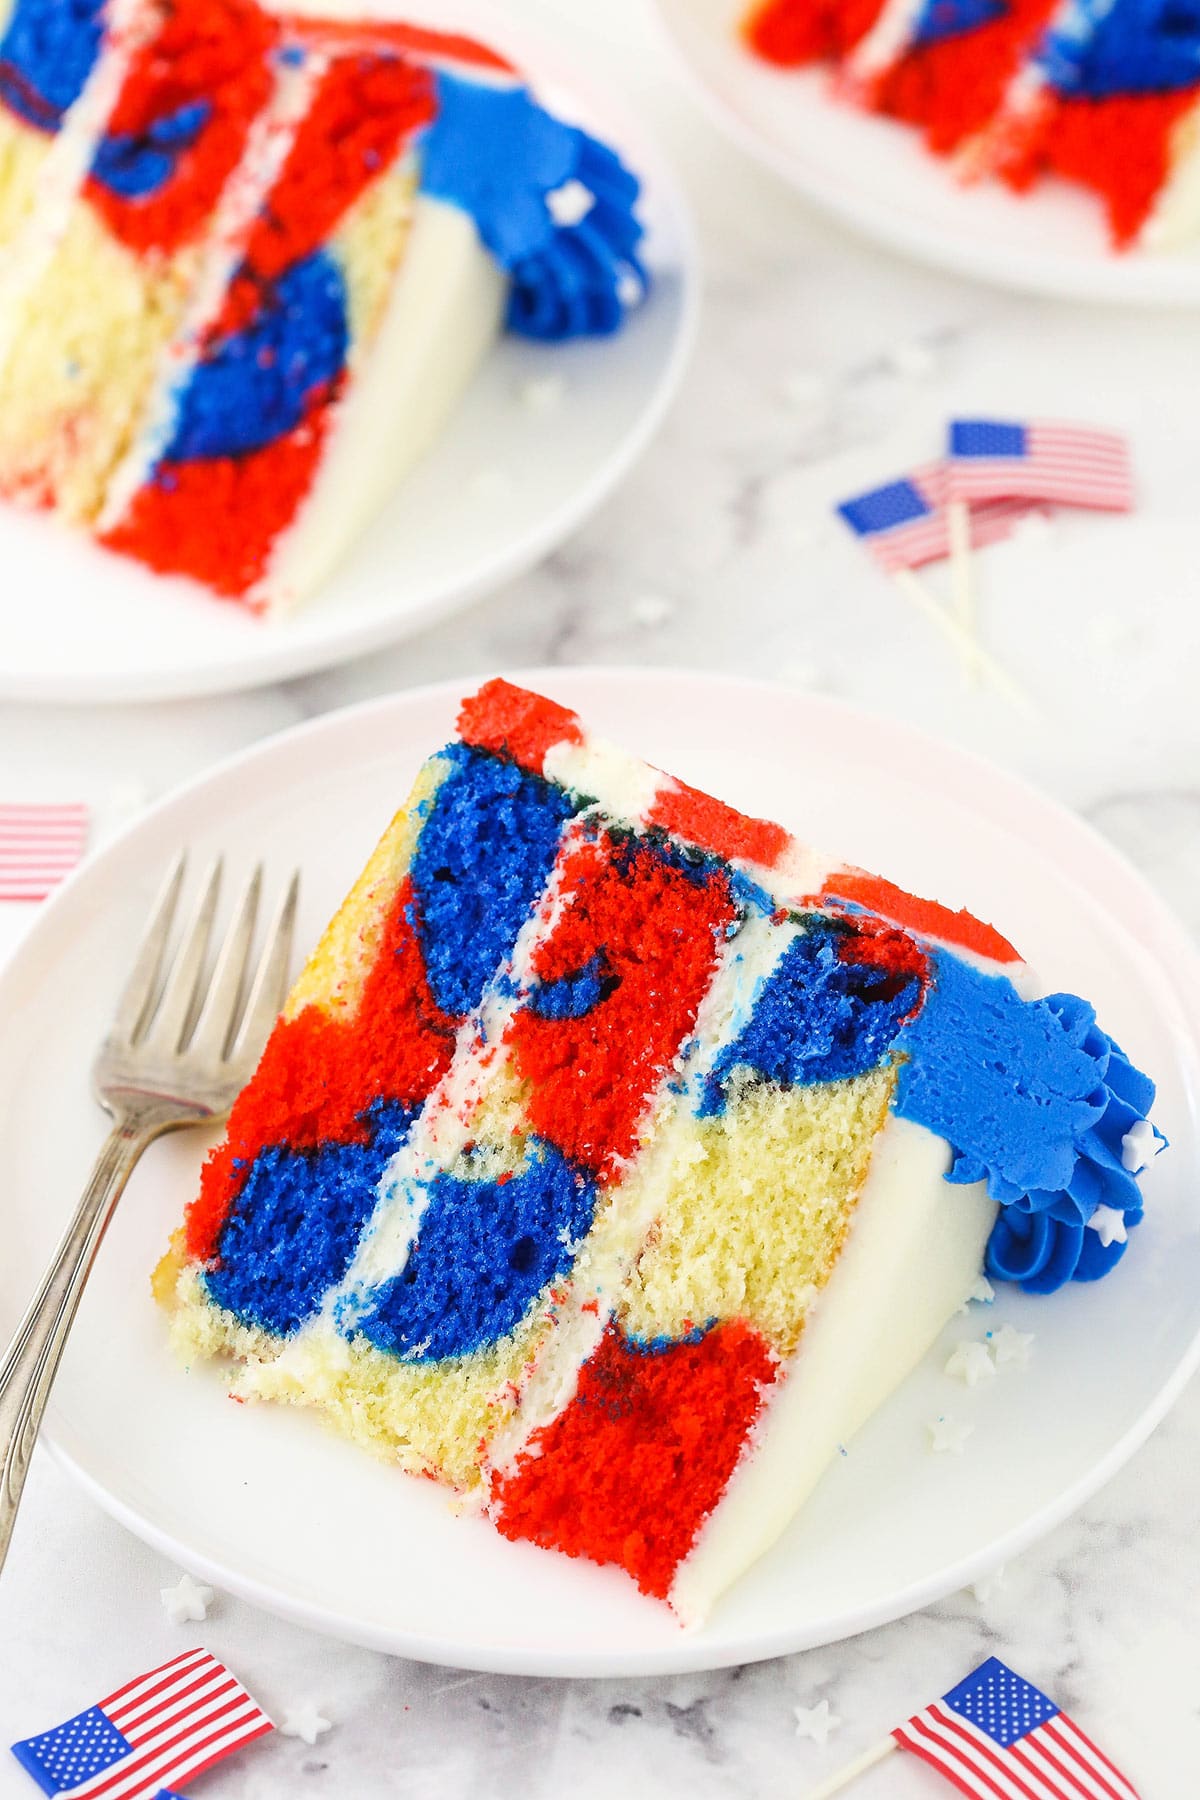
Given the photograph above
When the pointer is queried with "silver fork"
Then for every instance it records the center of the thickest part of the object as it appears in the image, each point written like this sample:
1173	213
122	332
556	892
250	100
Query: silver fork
178	1051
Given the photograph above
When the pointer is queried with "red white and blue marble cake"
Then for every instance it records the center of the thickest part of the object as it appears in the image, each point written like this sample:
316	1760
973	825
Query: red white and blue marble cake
250	259
616	1154
1105	93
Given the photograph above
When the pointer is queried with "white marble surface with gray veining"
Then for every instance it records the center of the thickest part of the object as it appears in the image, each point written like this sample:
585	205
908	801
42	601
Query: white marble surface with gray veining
822	366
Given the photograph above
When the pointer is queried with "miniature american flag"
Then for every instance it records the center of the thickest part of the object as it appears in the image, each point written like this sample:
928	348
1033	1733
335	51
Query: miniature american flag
904	524
39	845
156	1732
997	1737
1074	464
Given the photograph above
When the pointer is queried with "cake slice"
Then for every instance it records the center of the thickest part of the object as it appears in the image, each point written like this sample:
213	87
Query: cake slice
617	1154
1109	98
1102	93
255	258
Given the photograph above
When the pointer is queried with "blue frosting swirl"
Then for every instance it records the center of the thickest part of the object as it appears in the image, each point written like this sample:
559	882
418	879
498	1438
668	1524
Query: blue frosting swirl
494	152
1035	1100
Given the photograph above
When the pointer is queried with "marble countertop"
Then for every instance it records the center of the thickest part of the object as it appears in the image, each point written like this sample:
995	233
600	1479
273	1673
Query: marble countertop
822	365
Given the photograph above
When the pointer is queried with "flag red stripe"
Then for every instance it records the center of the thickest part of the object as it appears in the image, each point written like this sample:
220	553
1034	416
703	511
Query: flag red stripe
1072	1728
139	1680
189	1769
169	1684
161	1719
936	1759
950	1721
965	1777
1099	1780
1033	1753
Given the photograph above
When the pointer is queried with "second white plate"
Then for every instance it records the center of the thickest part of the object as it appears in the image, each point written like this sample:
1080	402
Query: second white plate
513	474
877	175
267	1503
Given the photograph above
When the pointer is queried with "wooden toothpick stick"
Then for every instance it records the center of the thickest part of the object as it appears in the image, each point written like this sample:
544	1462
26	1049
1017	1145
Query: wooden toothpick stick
852	1771
962	577
950	627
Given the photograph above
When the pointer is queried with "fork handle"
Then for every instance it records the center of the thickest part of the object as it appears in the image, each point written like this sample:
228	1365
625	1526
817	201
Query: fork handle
29	1365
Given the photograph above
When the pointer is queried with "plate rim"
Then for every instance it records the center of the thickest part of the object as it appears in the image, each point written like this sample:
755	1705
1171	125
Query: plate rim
1105	281
286	660
689	1653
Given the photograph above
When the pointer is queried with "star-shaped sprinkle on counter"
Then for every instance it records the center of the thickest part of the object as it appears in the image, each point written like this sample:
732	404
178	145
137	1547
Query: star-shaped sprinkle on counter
1109	1222
816	1722
1139	1144
305	1722
948	1435
981	1290
186	1603
970	1362
1011	1348
989	1585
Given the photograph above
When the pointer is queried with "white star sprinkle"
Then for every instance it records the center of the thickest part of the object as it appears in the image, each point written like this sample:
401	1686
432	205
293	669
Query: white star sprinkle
1109	1223
816	1722
544	394
988	1585
912	362
981	1290
1010	1347
948	1434
187	1602
570	203
970	1362
1138	1145
650	610
305	1722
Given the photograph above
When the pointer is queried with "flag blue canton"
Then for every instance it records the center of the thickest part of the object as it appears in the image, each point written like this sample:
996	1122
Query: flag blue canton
1000	1703
941	19
73	1752
884	508
987	437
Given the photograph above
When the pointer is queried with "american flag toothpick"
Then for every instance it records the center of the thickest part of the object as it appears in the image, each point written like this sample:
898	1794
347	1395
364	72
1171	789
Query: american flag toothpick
906	524
39	846
154	1733
997	1737
990	460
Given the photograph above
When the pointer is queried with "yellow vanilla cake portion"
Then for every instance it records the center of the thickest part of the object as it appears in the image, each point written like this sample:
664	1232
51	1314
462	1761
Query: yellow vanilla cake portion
616	1156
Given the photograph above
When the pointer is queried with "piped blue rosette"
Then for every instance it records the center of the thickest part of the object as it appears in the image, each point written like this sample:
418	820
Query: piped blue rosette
554	206
1042	1105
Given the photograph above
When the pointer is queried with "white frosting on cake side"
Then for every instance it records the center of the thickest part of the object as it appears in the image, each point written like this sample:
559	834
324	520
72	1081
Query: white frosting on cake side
914	1249
444	312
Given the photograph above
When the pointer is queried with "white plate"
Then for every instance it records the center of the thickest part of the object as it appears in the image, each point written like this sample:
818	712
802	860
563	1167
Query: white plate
876	174
504	484
268	1503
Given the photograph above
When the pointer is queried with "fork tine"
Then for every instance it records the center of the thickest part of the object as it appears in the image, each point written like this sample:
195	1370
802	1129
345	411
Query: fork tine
219	1015
270	987
138	993
176	1013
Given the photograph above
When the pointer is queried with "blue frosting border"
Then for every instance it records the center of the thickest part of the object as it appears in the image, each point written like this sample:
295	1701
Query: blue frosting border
499	156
